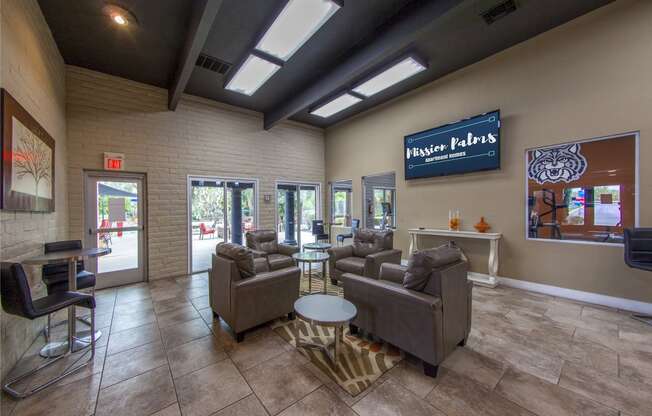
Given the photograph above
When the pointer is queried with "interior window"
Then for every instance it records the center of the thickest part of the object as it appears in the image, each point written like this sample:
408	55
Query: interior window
380	201
341	193
583	191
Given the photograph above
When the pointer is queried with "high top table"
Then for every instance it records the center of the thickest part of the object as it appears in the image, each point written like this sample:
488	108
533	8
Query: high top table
488	280
75	342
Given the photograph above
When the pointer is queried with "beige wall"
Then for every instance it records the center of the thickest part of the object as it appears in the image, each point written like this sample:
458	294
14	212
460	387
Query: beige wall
588	78
33	72
202	137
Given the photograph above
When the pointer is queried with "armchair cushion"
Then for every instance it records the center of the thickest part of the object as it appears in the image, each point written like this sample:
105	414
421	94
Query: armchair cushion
241	255
287	249
279	261
366	243
353	265
263	240
423	262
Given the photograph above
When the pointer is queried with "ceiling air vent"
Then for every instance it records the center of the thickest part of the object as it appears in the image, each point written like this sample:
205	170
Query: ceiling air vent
212	64
499	11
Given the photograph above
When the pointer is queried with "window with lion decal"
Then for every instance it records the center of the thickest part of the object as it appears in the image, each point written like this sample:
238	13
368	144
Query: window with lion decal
584	190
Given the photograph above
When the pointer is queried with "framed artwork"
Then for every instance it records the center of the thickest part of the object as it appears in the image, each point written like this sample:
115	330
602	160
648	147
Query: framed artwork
27	160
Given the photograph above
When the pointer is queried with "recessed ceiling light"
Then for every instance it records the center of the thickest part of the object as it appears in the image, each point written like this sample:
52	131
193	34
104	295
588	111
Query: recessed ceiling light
119	15
251	75
296	23
340	103
393	75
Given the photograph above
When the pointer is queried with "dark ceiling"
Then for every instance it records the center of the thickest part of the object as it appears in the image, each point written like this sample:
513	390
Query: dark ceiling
449	34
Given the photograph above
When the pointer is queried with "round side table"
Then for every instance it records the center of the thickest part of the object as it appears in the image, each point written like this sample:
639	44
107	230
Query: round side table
311	257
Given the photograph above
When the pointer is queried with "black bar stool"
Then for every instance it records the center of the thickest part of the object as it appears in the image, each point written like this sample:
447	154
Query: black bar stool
17	300
55	277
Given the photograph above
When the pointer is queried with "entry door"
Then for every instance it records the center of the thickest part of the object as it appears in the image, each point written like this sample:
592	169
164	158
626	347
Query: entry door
115	219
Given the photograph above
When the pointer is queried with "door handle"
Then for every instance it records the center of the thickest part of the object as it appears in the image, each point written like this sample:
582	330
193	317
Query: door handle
90	231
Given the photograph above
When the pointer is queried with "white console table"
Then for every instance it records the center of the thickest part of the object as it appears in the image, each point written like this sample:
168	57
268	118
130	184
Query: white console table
489	280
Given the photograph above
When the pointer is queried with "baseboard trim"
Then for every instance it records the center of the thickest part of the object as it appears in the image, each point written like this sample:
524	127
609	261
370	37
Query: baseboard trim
588	297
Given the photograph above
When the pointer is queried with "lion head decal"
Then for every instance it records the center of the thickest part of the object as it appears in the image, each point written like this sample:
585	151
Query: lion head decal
557	164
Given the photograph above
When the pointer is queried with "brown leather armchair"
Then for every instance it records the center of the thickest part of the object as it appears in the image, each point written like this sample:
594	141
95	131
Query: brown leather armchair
264	243
428	324
245	293
369	250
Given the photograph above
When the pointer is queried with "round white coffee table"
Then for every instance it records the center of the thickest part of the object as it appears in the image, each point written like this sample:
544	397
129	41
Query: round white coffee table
324	310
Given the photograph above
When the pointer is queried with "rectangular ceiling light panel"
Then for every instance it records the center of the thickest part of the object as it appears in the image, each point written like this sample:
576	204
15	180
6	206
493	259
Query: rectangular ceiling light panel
393	75
253	73
335	106
296	23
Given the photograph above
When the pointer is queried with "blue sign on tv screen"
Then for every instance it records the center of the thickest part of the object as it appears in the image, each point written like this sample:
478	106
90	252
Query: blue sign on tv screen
465	146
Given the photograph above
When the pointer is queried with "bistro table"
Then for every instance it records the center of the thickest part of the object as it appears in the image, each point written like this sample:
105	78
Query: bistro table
75	341
311	257
317	246
324	310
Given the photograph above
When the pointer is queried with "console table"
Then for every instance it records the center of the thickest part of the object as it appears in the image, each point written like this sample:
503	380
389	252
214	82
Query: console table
489	280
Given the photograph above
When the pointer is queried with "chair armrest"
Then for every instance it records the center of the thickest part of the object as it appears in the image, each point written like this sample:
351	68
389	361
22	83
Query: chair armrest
392	272
268	278
355	285
287	250
374	261
258	253
337	253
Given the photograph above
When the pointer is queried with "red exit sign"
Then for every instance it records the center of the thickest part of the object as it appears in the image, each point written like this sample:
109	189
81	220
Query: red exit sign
114	161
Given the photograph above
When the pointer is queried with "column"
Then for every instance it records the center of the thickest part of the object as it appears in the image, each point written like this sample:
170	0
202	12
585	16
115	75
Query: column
289	218
236	214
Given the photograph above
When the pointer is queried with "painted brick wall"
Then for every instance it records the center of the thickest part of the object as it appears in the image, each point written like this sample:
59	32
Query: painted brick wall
33	72
202	137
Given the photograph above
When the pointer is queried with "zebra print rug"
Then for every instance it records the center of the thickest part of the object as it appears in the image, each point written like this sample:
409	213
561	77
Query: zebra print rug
361	361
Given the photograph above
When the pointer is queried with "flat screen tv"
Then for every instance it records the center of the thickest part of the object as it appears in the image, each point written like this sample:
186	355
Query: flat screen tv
465	146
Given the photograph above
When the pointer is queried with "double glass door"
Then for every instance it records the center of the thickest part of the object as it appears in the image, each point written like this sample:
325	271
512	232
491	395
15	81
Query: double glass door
114	219
219	210
297	206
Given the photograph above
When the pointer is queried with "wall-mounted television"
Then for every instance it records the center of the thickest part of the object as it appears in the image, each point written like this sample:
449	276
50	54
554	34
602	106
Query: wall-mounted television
465	146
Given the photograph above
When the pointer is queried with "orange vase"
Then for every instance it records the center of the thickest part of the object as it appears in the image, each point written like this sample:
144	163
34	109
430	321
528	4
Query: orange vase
482	226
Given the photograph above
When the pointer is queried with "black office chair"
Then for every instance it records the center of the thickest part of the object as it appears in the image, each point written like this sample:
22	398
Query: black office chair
17	300
318	230
55	277
355	224
638	255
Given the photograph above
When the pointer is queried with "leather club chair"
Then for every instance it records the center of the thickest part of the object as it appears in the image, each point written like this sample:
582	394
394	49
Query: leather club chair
428	323
638	255
264	243
245	293
369	250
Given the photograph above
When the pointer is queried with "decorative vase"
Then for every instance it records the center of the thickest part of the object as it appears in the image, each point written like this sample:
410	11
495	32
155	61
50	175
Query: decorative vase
454	220
482	226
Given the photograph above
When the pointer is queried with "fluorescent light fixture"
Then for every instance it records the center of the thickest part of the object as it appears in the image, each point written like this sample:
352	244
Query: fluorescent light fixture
296	23
393	75
342	102
251	75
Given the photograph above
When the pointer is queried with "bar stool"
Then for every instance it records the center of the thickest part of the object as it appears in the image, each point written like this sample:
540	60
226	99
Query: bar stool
55	277
17	300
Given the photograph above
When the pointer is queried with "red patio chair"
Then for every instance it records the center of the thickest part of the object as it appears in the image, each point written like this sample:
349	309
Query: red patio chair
204	230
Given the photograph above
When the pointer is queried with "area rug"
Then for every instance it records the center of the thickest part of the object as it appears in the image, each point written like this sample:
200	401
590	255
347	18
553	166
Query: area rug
318	286
360	363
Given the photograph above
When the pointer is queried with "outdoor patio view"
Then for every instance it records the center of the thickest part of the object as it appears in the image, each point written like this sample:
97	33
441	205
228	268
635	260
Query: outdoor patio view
215	206
290	208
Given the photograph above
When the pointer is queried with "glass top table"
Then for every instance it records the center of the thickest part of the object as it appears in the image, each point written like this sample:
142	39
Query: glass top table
311	257
317	246
324	310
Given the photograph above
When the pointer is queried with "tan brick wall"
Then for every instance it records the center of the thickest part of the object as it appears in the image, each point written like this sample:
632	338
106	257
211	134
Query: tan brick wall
202	137
33	72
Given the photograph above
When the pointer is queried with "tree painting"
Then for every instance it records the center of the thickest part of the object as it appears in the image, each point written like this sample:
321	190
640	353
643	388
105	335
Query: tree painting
32	162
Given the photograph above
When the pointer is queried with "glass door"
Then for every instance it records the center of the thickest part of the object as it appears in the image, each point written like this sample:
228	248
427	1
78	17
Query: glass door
114	216
215	205
297	207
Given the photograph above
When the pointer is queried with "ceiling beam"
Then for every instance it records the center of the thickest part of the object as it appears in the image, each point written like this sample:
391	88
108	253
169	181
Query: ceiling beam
199	27
392	39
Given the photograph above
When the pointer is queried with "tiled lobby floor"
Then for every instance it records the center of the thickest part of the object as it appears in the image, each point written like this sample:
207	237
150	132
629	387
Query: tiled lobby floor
528	354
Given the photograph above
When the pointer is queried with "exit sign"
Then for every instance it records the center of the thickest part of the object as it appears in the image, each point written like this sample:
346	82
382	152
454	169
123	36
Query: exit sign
114	161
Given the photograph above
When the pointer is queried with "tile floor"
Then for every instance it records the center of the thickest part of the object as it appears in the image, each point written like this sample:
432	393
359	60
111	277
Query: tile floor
528	354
